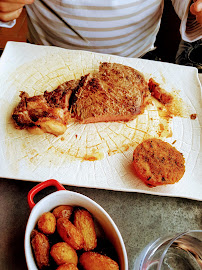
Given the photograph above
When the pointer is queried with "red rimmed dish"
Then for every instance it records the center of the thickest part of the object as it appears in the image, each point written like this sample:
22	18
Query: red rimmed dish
65	197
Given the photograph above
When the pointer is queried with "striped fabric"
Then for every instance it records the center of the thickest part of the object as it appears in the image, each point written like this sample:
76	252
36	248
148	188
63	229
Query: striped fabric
190	29
120	27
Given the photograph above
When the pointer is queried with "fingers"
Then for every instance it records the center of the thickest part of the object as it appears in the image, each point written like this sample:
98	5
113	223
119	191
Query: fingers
6	8
196	9
199	19
23	2
9	16
11	9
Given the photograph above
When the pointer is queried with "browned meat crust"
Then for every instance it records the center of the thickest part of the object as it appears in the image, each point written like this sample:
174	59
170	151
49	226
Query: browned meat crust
160	94
60	96
115	93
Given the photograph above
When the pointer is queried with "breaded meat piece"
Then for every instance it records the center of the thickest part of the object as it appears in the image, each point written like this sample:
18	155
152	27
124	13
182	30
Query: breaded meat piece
158	163
93	260
85	224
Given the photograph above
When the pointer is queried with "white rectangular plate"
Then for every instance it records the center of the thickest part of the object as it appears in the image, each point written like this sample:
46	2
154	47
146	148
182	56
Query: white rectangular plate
32	68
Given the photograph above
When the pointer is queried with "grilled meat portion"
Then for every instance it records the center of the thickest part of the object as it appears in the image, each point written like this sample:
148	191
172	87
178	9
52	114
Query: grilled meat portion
20	114
158	93
60	97
45	113
115	93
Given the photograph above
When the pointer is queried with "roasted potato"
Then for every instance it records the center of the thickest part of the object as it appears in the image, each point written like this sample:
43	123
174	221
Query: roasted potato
63	211
85	224
69	233
47	223
93	260
41	248
63	253
67	266
76	227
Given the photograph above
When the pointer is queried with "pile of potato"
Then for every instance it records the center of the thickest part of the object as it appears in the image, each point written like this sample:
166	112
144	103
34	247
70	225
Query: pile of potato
65	239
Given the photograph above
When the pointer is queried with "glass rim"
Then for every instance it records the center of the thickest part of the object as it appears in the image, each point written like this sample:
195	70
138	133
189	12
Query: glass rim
177	236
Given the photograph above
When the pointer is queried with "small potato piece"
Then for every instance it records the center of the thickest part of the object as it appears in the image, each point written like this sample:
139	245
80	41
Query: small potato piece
47	223
84	222
41	248
63	211
67	266
93	260
69	233
63	253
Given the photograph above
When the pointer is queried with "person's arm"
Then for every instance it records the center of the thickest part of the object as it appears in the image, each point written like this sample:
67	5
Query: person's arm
191	18
10	10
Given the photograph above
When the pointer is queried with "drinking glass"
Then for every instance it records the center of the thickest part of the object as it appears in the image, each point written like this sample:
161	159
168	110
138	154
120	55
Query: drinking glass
181	251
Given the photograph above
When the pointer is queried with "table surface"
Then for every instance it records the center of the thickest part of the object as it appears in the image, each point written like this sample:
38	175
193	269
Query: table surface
140	217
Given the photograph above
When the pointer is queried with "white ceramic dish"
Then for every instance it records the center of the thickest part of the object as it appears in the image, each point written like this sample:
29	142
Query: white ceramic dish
62	197
34	68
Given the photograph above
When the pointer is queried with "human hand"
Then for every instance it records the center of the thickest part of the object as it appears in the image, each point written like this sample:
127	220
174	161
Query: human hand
196	9
11	9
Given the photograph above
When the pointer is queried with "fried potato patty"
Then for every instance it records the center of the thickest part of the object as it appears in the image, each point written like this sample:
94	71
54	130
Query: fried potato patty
158	163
